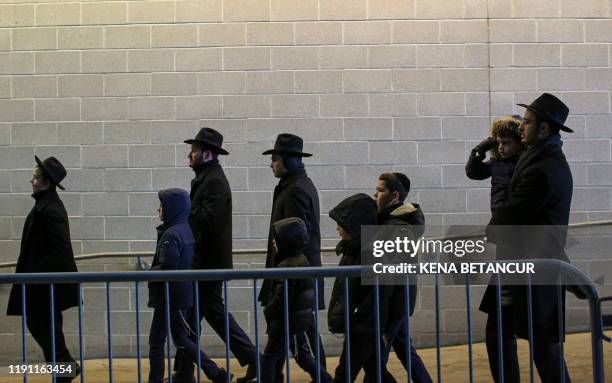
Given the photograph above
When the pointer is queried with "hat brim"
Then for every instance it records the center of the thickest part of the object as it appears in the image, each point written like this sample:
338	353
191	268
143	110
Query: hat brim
548	119
44	169
208	145
296	154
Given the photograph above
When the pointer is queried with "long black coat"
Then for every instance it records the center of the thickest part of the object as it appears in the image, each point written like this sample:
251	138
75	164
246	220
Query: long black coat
296	196
540	193
211	217
45	248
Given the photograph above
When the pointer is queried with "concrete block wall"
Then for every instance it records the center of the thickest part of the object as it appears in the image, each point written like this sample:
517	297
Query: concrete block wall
112	88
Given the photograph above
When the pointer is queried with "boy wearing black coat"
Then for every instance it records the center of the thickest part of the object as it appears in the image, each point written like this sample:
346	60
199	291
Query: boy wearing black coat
174	251
290	235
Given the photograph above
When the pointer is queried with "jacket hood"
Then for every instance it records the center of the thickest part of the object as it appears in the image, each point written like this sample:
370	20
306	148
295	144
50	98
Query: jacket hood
409	213
354	212
290	235
176	205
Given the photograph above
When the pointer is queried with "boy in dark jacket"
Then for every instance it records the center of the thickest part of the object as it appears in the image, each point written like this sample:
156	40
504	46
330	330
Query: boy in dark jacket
174	252
505	146
290	235
350	215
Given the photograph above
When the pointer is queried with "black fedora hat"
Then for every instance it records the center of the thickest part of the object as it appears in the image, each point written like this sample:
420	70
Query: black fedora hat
551	109
210	139
53	169
287	143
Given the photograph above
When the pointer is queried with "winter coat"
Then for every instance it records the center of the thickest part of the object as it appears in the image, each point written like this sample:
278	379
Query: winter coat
290	235
45	248
500	171
296	196
540	194
211	217
351	214
174	250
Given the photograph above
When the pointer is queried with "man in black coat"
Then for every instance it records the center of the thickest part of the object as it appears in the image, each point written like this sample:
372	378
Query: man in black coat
540	193
211	222
46	248
295	196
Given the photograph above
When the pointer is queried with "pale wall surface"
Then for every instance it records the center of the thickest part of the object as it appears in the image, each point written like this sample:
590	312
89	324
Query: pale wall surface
113	88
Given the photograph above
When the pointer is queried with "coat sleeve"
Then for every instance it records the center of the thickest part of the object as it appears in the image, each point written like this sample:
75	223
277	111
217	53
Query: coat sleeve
476	168
169	253
212	212
58	248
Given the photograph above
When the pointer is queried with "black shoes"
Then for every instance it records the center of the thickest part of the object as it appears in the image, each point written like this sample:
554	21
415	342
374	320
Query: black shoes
250	376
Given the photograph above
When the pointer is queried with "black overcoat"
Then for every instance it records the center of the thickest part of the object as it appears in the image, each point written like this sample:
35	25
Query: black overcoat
45	248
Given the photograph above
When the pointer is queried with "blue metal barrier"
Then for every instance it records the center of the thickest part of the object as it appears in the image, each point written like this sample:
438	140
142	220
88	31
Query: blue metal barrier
577	277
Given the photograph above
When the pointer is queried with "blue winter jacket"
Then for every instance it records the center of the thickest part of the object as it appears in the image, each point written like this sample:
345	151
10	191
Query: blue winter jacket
174	250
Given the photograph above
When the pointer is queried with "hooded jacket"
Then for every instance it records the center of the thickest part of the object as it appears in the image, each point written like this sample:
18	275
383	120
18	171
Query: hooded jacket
290	235
350	214
175	244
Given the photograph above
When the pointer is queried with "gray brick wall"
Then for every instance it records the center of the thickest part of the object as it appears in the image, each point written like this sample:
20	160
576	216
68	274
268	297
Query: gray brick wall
113	88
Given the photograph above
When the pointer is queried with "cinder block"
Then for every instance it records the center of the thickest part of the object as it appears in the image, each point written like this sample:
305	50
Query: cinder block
246	58
80	85
104	13
584	55
16	204
129	228
60	109
591	199
269	34
80	38
104	108
561	79
344	105
171	132
222	35
295	57
513	31
327	177
477	9
252	202
392	56
237	177
151	156
478	200
69	156
434	56
127	36
191	60
598	78
561	31
393	152
476	56
524	9
127	180
364	177
18	181
283	10
236	10
440	104
104	61
513	79
34	86
464	79
16	15
599	174
587	150
501	55
84	180
198	107
441	152
222	82
266	130
269	82
174	35
465	128
343	153
343	10
477	104
453	176
534	55
587	102
438	9
318	33
598	126
5	134
392	104
172	178
417	128
170	84
54	62
415	31
421	176
232	130
58	14
463	31
32	39
261	178
367	32
368	129
198	11
443	200
143	204
598	31
150	60
344	57
105	156
5	40
16	157
130	84
390	9
89	228
16	110
80	133
412	80
151	108
579	9
318	82
105	204
258	226
246	106
145	13
294	105
319	129
362	81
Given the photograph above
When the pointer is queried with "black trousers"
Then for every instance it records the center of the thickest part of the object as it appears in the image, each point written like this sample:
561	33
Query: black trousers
546	355
362	355
212	308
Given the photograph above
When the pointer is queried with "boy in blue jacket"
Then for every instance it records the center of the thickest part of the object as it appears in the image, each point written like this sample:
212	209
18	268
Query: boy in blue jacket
174	252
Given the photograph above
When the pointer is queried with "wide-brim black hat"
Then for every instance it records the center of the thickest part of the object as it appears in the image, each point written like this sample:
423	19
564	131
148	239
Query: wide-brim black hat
209	138
290	144
551	109
53	169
